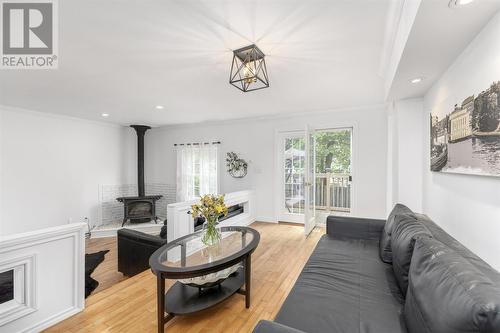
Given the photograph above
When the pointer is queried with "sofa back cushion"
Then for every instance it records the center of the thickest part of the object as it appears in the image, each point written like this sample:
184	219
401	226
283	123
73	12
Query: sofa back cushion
447	293
445	238
407	228
385	251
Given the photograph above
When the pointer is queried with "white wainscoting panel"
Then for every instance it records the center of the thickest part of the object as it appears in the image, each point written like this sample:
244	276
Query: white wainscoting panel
49	278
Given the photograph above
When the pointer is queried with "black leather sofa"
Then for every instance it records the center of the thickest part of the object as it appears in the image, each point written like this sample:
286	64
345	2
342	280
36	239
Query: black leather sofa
430	283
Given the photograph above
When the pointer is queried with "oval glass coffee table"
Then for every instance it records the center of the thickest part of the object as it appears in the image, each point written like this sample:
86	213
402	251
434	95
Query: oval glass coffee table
187	257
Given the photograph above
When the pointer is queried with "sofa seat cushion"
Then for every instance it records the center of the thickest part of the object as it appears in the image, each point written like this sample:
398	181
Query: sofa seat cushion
385	237
344	287
407	228
265	326
448	294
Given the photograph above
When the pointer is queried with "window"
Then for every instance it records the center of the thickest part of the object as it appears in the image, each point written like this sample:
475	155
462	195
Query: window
197	172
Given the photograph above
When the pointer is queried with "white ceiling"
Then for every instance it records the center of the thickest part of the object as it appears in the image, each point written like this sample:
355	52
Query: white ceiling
125	57
438	36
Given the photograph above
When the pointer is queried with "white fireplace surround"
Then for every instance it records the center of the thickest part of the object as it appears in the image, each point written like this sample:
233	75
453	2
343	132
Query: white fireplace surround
24	302
180	222
49	279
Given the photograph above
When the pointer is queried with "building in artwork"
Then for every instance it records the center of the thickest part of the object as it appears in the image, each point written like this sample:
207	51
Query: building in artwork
439	142
442	131
468	104
434	120
460	120
439	130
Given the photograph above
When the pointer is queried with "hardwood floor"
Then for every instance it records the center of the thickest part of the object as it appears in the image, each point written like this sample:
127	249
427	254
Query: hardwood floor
130	305
107	272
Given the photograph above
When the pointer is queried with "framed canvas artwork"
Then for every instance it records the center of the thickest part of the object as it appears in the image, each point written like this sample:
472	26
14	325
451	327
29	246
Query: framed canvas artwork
466	139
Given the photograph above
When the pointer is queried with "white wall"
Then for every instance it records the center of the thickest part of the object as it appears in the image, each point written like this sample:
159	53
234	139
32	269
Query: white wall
1	178
255	141
51	167
468	207
409	129
392	158
405	134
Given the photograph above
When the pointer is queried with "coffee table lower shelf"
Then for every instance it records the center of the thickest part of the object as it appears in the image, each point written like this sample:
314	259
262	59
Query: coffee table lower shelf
181	299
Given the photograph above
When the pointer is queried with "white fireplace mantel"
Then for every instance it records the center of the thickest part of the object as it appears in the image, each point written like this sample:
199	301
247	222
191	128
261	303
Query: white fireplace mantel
180	221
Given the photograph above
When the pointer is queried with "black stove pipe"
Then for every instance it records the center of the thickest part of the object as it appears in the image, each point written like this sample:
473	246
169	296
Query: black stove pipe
140	130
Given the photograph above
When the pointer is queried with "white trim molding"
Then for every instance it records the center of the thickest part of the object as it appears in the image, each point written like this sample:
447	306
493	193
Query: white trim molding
24	283
49	281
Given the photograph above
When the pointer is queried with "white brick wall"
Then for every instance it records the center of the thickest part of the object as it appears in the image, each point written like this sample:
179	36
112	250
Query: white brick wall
111	211
169	196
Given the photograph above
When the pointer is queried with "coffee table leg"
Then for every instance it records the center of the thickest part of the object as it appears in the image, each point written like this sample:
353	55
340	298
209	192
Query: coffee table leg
160	295
248	280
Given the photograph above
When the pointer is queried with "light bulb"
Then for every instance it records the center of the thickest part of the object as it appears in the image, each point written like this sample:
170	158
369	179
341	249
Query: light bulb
247	74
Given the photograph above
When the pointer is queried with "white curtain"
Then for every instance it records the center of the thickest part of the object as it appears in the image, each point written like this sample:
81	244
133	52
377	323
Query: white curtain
197	172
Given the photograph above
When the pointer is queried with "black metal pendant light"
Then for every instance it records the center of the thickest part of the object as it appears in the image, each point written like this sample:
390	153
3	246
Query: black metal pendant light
248	70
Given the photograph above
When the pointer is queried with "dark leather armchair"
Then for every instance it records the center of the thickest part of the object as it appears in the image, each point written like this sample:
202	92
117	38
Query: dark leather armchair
134	250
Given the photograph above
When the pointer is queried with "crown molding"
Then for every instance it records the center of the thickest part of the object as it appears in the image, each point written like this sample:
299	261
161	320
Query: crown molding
58	116
303	113
300	113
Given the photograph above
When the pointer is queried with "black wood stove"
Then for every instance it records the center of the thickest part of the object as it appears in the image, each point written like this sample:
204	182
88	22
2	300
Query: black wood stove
141	208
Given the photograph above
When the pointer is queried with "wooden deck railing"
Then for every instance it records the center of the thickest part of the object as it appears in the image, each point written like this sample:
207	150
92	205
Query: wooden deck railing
333	192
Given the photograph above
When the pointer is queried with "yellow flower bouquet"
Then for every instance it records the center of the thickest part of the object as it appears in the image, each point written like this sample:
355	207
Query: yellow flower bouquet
211	207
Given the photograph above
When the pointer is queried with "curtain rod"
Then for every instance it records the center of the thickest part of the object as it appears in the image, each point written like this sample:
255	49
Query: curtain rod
196	143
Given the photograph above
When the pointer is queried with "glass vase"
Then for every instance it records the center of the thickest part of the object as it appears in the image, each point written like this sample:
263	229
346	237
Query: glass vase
211	234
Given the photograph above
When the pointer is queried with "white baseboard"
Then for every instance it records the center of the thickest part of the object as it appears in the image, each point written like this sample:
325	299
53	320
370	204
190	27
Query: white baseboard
266	219
51	321
111	232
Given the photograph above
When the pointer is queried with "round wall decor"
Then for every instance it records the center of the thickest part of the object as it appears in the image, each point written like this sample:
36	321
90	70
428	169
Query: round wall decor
236	166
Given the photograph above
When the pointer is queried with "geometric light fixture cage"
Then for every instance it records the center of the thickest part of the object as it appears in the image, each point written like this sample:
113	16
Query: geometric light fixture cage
248	70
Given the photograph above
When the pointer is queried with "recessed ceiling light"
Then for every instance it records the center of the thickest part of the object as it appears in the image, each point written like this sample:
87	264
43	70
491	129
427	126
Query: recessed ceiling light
456	3
105	115
416	80
159	107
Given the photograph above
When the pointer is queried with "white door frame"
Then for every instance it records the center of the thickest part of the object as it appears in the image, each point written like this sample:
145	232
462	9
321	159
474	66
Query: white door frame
281	214
280	132
310	180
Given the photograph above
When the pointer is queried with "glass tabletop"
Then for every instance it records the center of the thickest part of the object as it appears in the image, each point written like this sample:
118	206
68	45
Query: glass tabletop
189	251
